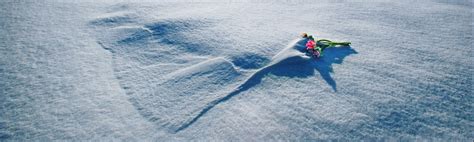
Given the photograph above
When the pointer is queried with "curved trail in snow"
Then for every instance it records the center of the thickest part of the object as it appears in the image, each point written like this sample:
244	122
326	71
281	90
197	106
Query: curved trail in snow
293	53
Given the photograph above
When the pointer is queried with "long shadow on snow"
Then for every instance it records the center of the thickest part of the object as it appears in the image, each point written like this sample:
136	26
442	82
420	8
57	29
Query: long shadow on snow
294	65
331	56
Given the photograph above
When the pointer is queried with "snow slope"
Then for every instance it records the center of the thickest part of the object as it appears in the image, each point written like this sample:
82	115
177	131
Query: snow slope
227	70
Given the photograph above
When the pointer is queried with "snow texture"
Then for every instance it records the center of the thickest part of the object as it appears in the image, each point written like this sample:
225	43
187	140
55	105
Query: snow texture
236	70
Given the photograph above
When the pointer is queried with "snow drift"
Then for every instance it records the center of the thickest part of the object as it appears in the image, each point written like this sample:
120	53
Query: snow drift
224	71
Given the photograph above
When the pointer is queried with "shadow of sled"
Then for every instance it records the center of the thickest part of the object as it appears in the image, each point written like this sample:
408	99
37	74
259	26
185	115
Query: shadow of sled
333	55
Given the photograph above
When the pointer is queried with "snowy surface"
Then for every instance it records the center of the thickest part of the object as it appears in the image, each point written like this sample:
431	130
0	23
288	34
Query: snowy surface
235	70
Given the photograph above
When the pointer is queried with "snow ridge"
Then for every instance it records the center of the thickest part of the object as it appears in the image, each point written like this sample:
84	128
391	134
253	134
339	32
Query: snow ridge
292	54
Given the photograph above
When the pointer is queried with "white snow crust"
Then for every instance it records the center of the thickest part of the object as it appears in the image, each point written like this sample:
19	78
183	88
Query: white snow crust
236	70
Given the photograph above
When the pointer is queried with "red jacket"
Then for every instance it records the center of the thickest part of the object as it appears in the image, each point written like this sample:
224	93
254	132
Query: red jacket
310	44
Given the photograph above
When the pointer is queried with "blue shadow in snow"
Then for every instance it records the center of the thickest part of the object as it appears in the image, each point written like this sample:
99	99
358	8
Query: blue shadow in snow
334	55
300	68
294	66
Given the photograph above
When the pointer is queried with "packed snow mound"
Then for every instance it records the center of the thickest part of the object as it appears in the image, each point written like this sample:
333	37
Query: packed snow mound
187	94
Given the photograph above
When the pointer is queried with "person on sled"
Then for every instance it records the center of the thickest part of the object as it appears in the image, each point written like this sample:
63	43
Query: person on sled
316	48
